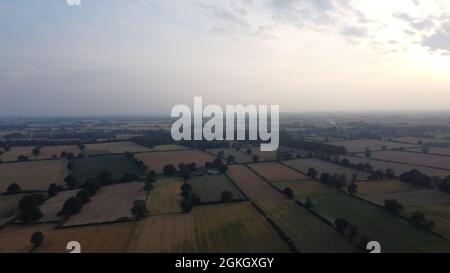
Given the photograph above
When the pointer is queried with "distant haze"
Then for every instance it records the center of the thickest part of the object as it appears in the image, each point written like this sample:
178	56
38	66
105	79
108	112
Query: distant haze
112	57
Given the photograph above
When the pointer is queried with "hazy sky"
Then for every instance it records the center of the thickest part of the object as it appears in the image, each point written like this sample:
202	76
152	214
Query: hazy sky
144	56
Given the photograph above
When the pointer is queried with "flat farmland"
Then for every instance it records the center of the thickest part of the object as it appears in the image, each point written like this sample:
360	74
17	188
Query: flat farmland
309	234
434	150
440	214
302	189
412	198
32	175
385	186
427	160
165	196
210	187
109	204
251	184
157	160
169	147
234	228
415	140
116	147
360	145
272	155
394	234
321	166
398	168
165	234
239	157
274	171
15	152
16	238
9	207
55	151
117	165
54	204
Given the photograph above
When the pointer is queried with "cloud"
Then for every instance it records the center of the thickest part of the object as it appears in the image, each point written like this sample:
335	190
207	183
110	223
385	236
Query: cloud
439	40
354	32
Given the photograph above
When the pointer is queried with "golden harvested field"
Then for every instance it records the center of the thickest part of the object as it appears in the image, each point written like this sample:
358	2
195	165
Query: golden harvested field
384	186
165	196
235	227
9	207
210	187
54	204
157	160
440	214
115	147
167	233
109	204
239	157
33	175
55	151
251	184
321	166
308	233
412	198
274	171
16	238
427	160
360	145
15	152
398	168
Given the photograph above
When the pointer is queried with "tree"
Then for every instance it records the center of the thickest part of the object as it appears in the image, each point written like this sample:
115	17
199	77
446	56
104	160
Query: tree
31	201
185	174
393	206
105	177
192	166
352	188
389	173
91	186
139	209
288	192
72	205
169	169
186	205
185	194
13	188
312	173
352	232
186	187
71	181
220	154
148	186
195	199
341	224
308	204
249	151
53	189
36	151
367	152
31	215
255	158
226	196
425	149
84	196
230	159
419	219
37	238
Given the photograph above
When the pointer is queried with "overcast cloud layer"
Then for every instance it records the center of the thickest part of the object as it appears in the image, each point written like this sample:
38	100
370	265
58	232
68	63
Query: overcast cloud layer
142	57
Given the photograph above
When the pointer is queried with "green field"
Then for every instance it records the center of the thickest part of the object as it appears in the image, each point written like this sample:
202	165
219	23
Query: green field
9	207
394	234
308	232
234	228
117	165
210	187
